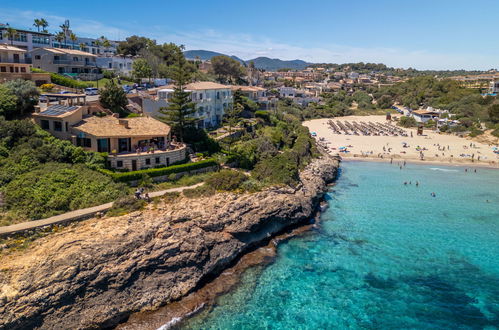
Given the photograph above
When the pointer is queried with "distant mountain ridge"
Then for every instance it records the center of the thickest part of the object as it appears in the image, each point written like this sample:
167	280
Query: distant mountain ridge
266	63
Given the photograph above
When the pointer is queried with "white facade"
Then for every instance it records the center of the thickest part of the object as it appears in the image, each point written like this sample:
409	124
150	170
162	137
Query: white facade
211	100
120	65
287	92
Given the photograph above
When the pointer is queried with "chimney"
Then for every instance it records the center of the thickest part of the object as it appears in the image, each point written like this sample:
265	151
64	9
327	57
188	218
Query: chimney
123	123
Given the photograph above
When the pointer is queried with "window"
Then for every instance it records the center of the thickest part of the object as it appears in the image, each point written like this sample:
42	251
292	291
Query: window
3	69
23	69
148	161
75	59
158	160
57	126
110	65
84	142
45	124
119	163
67	127
103	145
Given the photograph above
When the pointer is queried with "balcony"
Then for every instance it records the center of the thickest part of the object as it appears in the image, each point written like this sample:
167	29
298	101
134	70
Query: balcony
20	61
75	63
172	149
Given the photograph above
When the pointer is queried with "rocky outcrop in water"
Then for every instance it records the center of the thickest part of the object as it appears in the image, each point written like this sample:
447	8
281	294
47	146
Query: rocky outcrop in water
96	273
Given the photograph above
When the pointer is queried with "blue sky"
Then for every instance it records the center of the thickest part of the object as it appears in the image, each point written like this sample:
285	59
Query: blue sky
437	34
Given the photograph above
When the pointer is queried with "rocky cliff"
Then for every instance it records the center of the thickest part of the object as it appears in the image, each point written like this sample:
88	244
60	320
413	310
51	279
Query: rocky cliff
97	273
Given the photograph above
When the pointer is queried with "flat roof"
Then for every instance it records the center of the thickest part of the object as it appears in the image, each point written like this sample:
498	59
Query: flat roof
57	111
110	126
5	26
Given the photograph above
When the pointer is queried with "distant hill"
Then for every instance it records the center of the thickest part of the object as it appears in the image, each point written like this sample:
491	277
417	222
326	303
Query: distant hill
272	64
206	55
266	63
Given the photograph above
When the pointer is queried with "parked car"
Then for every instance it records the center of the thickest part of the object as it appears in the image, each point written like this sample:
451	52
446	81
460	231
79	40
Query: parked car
127	88
91	91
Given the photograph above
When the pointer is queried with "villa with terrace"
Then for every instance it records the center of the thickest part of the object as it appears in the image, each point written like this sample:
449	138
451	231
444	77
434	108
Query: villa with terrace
132	143
211	100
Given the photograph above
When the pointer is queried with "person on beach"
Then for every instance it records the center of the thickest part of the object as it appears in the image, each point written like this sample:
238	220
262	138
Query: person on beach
433	194
417	183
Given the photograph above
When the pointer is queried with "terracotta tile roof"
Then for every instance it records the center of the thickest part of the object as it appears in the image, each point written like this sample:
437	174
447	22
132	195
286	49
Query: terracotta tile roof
201	85
246	88
11	48
115	127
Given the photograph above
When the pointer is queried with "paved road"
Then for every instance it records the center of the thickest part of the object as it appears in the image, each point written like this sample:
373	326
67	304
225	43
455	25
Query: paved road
77	214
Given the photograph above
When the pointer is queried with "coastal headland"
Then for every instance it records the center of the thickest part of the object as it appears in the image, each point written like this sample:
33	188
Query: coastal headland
99	272
436	148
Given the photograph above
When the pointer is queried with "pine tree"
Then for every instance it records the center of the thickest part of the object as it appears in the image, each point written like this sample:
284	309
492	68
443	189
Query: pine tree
179	113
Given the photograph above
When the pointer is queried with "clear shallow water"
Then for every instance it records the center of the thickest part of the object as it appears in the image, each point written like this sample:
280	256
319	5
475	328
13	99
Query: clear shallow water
385	256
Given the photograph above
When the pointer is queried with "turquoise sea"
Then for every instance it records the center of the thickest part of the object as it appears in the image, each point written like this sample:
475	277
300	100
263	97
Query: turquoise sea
384	256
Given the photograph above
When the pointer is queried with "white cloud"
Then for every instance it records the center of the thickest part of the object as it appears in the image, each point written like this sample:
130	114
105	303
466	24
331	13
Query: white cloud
248	46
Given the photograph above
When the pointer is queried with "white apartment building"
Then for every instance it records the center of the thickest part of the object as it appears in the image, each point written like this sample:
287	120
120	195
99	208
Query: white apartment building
211	101
119	64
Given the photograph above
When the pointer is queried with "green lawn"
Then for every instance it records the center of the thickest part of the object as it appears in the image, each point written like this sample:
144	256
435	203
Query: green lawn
104	81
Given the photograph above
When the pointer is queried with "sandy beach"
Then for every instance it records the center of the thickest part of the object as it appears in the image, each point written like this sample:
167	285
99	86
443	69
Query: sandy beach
436	148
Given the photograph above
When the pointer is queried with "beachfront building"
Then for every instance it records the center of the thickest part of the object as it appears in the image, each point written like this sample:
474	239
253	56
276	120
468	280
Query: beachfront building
13	65
132	143
211	100
71	62
422	116
26	39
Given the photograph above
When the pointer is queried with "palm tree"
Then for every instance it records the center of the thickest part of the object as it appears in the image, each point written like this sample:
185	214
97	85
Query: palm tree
37	23
59	37
106	44
44	24
11	34
65	28
73	38
82	46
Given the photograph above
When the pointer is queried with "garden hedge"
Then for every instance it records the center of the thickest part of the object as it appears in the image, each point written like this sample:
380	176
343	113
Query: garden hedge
153	172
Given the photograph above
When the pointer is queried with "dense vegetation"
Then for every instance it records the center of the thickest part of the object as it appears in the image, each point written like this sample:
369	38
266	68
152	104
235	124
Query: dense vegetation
17	98
468	106
275	151
362	67
41	176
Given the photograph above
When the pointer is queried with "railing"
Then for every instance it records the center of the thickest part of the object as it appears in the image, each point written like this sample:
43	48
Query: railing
20	61
71	62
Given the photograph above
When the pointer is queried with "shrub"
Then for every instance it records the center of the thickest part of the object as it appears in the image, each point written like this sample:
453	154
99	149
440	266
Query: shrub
68	82
407	122
282	169
475	132
201	191
55	188
226	180
263	114
153	172
47	87
126	204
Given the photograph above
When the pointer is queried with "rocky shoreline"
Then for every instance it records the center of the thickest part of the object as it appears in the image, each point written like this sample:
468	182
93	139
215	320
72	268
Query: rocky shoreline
96	274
